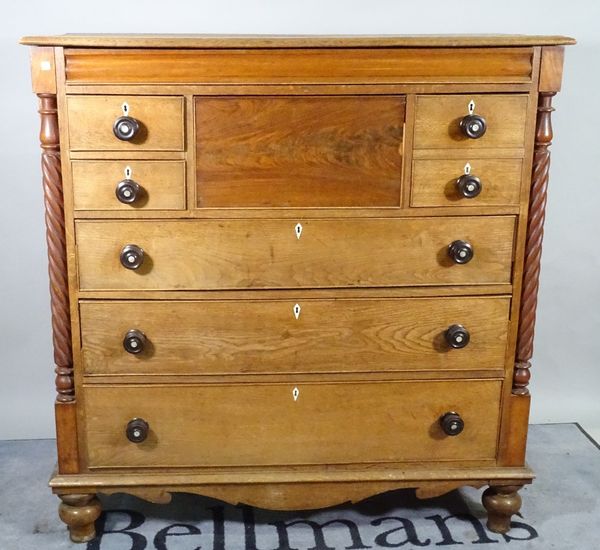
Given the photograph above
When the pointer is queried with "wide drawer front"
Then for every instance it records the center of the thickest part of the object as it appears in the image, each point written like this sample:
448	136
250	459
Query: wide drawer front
227	254
306	423
332	65
283	336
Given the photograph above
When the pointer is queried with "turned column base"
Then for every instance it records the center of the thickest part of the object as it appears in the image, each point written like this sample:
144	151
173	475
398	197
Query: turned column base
80	512
501	503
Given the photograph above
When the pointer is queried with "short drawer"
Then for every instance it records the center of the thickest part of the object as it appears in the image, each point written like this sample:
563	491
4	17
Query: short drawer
286	336
289	423
438	117
103	185
91	120
435	182
276	253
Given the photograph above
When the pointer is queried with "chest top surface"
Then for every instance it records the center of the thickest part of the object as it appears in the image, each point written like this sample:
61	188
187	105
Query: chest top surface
291	41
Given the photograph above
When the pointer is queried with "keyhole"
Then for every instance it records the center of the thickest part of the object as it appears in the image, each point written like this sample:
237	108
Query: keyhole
467	168
128	172
298	230
471	107
295	394
125	108
297	310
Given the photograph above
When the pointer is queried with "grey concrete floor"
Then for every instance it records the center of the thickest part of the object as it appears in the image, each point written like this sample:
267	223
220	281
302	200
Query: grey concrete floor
561	510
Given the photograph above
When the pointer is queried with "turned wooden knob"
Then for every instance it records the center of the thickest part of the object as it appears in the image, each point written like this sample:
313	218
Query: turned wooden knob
128	191
452	423
137	430
134	341
461	252
473	126
468	186
132	256
457	336
126	128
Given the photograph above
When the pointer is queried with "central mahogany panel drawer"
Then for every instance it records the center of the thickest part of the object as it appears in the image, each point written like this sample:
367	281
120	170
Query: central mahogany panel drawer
285	336
285	423
299	151
282	253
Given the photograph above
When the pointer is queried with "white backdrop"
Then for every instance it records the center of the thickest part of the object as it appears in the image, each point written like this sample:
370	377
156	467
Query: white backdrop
566	375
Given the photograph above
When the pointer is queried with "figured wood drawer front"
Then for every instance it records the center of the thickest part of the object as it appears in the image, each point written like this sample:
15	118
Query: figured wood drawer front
280	423
333	65
434	182
283	336
91	120
299	151
161	184
438	117
256	253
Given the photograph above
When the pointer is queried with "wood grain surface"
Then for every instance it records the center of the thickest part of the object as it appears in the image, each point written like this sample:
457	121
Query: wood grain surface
308	65
227	254
438	118
299	151
434	182
264	336
107	40
162	184
91	120
328	423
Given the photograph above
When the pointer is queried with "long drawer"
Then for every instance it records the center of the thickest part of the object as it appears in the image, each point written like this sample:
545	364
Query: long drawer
284	336
281	253
284	424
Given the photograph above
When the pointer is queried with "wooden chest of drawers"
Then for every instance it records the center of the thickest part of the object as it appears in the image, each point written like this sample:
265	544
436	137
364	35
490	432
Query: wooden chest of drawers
293	271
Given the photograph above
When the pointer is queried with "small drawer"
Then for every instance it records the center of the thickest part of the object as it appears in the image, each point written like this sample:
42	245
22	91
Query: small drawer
293	336
438	121
128	185
92	118
303	423
290	253
436	182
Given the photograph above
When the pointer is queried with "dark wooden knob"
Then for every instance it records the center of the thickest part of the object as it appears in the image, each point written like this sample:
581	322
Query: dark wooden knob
134	341
473	126
457	336
137	430
132	256
452	423
461	252
468	186
128	191
126	128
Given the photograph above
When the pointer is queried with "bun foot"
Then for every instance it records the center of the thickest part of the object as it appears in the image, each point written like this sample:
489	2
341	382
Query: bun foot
501	502
80	512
